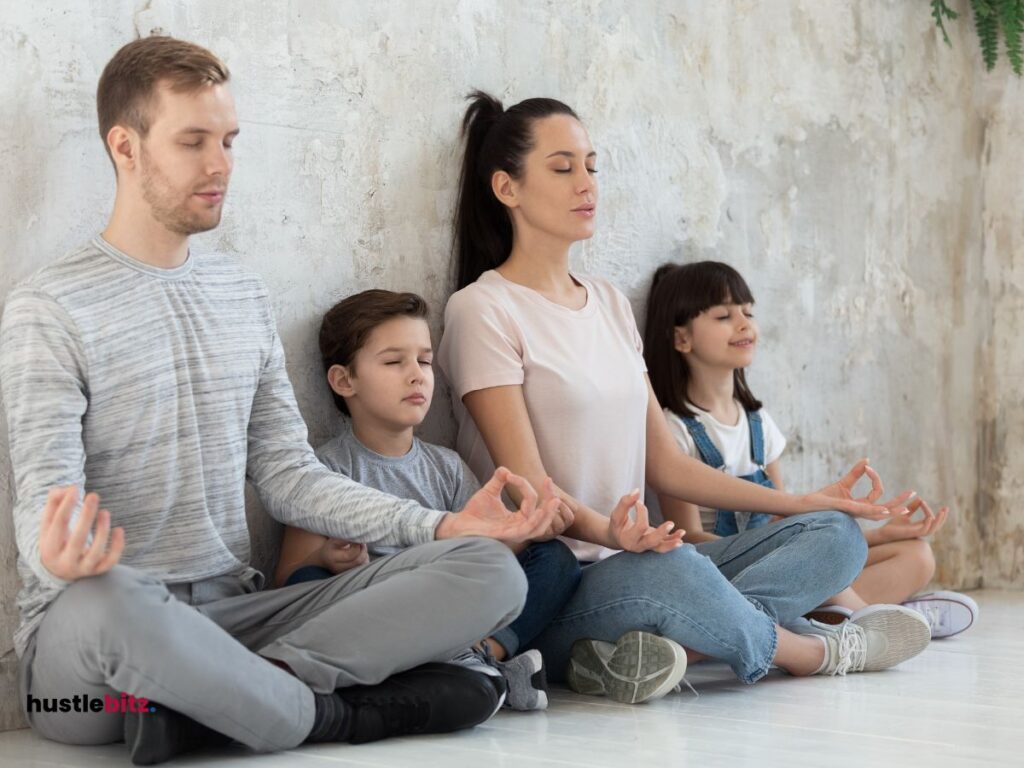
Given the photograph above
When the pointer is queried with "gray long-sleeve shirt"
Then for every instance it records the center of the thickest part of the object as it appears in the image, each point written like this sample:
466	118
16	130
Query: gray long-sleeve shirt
163	390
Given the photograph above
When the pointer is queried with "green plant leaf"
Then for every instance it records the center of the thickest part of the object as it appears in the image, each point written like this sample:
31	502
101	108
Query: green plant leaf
986	21
1011	19
940	11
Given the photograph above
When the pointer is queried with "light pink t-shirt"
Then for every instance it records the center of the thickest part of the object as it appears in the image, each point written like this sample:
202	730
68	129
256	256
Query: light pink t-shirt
582	378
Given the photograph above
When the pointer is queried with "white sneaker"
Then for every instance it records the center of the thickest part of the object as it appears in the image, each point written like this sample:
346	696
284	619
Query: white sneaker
948	613
875	638
638	667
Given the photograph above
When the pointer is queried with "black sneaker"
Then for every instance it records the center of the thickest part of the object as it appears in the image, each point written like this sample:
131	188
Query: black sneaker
431	698
156	737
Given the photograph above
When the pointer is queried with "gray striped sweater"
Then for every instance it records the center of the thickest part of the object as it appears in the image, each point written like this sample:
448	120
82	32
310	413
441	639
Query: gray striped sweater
163	390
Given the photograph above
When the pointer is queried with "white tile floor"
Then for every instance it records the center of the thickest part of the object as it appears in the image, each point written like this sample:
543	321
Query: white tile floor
957	704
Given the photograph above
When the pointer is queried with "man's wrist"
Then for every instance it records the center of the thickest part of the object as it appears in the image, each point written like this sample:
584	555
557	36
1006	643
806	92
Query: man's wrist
446	527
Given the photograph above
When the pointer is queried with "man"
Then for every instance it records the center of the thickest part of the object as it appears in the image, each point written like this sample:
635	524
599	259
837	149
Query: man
155	377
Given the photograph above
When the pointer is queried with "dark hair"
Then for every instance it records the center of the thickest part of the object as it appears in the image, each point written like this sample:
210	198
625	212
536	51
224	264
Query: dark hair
497	139
130	78
348	324
680	292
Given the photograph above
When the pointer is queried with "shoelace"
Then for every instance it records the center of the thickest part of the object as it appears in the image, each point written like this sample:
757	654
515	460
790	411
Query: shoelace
679	688
933	613
851	648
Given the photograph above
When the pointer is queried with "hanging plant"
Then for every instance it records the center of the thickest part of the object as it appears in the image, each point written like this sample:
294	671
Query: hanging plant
990	16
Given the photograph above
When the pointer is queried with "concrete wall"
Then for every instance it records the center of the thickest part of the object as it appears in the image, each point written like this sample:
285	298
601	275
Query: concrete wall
861	174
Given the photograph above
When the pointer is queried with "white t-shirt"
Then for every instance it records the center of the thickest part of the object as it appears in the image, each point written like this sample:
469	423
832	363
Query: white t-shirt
732	441
582	373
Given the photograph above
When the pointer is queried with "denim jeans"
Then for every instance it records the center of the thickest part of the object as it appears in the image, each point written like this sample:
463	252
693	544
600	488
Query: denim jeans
721	598
552	575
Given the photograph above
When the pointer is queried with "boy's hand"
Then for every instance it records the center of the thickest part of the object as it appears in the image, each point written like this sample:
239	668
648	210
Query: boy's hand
638	535
839	496
338	555
903	528
485	514
66	554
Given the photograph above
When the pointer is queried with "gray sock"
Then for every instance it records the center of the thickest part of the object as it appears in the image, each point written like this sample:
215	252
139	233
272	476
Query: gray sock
527	683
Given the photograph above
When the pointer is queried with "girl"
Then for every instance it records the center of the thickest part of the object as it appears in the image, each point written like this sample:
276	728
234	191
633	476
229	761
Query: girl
547	378
699	336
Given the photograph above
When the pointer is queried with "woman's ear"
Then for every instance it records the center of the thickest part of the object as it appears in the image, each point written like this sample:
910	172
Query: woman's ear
681	339
342	381
504	189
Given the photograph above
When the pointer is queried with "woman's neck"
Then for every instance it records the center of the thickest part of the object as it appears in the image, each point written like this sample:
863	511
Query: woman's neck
540	262
713	390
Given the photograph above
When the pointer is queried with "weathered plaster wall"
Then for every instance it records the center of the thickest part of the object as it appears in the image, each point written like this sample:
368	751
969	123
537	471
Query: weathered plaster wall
1000	459
837	153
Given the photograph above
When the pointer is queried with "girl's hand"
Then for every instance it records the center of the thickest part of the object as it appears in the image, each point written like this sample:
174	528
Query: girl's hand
839	496
338	555
638	535
902	528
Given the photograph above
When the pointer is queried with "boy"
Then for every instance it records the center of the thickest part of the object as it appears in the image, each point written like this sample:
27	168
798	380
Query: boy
378	358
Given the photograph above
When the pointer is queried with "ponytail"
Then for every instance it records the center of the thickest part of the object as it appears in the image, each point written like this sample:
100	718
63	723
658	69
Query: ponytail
496	140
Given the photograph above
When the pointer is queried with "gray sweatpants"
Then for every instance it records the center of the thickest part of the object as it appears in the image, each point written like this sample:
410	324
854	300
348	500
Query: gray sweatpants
203	649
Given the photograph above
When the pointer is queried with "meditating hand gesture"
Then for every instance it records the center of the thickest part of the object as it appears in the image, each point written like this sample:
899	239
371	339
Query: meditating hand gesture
637	535
67	554
903	527
839	496
485	514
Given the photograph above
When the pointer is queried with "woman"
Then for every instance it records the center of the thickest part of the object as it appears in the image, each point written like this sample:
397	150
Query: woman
547	378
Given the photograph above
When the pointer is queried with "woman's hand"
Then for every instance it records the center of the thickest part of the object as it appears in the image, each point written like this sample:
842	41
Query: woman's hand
338	555
903	528
638	535
839	496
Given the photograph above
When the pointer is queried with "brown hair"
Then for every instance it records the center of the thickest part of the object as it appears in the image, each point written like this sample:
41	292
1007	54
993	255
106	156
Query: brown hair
348	324
680	292
129	80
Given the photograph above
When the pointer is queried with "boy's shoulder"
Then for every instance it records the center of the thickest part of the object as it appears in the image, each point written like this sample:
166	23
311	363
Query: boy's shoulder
439	455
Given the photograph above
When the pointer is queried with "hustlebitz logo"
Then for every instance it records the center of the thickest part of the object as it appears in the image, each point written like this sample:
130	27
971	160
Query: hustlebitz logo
83	702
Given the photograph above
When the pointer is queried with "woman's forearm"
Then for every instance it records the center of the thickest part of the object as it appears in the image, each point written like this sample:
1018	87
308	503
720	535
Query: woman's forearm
691	480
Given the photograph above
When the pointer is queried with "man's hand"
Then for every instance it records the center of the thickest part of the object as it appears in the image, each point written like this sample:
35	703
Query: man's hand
338	555
66	554
485	514
902	528
839	496
638	535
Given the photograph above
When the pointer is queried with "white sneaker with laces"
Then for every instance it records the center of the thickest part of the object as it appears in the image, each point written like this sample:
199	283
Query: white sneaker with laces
948	613
875	638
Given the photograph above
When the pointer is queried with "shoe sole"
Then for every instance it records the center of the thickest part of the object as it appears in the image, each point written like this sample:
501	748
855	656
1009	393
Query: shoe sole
906	631
963	602
639	667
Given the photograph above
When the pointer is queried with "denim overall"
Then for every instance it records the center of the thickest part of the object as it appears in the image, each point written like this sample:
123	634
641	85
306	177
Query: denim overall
729	523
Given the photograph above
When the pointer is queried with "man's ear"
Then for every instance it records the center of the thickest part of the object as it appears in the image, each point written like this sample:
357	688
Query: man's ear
124	145
342	382
504	189
681	339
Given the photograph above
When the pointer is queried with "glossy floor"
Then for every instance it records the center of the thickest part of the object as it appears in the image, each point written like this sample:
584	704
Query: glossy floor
957	704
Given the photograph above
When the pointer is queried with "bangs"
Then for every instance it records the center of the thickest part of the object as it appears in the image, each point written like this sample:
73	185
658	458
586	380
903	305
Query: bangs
713	284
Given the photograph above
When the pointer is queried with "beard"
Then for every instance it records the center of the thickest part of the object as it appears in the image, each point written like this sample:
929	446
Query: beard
169	206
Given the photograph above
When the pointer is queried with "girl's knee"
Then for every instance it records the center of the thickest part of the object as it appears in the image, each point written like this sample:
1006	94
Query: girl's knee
920	560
